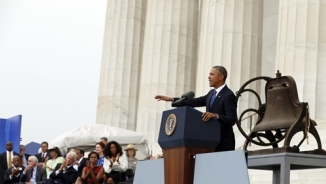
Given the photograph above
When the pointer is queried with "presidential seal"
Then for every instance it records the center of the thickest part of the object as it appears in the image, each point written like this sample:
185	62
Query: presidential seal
170	124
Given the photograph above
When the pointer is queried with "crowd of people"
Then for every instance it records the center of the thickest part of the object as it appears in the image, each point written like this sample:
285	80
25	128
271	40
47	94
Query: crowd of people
107	164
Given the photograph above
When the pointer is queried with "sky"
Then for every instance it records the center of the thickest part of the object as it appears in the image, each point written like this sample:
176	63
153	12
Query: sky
50	59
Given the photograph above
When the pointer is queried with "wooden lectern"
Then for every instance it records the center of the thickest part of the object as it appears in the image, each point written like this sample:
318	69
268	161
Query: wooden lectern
183	134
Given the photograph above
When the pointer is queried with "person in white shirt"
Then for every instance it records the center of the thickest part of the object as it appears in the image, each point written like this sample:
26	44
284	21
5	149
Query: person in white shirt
115	163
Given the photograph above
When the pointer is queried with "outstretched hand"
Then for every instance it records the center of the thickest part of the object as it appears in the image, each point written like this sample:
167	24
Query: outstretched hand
164	98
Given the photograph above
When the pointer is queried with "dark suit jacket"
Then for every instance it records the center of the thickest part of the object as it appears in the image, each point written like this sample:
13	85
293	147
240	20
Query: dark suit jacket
67	177
81	166
14	179
39	156
40	175
4	164
225	105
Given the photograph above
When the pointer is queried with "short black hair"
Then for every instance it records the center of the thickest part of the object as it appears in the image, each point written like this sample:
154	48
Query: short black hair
44	142
81	151
222	71
104	138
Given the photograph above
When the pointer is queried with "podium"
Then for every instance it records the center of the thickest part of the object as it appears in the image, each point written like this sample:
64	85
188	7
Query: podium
183	134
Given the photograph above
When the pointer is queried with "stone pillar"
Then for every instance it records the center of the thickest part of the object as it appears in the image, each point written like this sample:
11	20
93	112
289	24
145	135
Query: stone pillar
231	36
169	59
121	63
270	23
301	50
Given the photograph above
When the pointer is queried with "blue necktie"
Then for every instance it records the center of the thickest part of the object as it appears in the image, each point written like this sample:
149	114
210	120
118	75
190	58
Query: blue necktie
212	99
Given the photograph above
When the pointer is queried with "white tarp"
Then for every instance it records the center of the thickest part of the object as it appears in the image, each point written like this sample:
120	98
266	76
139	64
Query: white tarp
87	136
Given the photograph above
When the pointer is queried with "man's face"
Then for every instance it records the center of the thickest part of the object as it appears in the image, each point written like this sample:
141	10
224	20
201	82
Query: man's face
70	160
44	147
9	146
16	161
31	162
102	140
22	149
79	155
215	78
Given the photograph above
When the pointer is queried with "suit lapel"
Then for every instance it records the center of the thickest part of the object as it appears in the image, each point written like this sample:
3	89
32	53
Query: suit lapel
218	97
208	99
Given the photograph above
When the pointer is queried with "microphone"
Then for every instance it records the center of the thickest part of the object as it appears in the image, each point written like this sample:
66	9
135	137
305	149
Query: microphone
186	96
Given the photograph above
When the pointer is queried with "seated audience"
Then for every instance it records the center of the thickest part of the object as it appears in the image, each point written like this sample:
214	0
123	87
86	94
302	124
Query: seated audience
24	156
65	172
131	153
12	175
104	140
80	163
92	172
32	172
56	158
114	162
99	147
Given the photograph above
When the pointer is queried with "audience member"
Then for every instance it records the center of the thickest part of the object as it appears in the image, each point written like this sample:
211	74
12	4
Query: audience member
13	173
92	173
65	173
44	153
6	159
24	156
80	163
99	147
104	140
33	173
56	158
131	153
114	162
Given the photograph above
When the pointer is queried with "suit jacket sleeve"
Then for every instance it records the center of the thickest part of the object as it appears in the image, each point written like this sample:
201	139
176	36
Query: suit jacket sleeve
70	175
194	102
7	178
41	175
23	176
228	117
53	175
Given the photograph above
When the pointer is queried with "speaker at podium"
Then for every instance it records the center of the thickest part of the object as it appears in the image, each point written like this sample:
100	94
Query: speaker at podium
183	134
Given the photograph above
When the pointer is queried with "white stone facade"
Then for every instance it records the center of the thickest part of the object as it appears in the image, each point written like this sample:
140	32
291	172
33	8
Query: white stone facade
168	47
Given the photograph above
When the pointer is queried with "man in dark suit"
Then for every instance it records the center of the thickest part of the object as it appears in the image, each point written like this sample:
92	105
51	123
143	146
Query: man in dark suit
80	162
6	159
33	173
220	104
24	156
65	173
13	174
44	153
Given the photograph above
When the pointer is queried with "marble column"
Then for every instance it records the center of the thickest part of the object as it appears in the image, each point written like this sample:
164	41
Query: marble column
169	60
121	63
230	36
301	50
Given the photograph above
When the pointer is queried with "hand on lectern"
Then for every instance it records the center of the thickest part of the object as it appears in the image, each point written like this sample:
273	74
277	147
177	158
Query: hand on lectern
209	115
164	98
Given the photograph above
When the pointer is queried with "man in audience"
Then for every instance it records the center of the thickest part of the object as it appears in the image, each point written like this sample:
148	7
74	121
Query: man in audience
24	156
65	172
44	153
33	173
104	140
13	173
6	160
80	162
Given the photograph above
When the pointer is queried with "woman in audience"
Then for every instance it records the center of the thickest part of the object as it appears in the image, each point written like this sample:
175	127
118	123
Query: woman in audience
56	158
114	162
131	153
99	147
92	172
